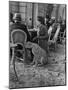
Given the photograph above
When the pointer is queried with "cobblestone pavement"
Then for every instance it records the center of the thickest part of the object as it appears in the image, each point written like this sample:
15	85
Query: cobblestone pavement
52	74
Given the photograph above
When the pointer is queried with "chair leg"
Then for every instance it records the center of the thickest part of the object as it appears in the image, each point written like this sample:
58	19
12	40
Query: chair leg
13	63
12	56
15	69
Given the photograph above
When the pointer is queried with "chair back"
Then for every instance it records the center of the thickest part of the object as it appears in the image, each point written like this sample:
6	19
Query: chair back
50	30
57	33
18	36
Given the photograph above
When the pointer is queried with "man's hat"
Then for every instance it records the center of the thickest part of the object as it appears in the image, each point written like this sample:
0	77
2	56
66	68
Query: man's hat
17	16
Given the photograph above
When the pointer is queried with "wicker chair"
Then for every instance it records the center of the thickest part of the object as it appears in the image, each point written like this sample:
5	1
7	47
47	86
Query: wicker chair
18	37
49	31
55	37
62	35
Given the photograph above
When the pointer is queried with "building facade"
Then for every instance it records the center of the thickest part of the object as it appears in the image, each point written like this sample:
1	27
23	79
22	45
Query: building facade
29	11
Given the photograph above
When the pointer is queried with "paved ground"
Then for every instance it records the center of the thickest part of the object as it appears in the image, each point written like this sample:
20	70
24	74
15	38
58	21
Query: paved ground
52	74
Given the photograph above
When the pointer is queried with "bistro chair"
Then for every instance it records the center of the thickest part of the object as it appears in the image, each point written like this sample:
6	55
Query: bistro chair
18	37
55	37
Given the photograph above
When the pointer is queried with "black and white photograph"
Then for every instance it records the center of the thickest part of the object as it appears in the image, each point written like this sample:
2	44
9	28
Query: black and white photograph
37	44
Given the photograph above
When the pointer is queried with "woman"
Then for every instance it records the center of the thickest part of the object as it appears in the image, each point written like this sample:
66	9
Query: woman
43	34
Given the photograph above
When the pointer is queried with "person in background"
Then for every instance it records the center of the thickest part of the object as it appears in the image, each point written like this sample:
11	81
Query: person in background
11	19
30	23
54	27
62	30
52	21
43	34
47	21
63	26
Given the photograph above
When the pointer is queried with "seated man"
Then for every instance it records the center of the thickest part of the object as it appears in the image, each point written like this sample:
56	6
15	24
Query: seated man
18	25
